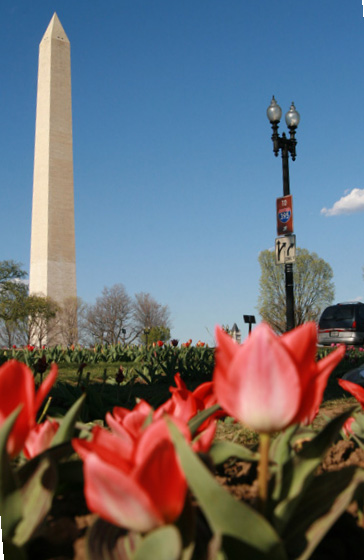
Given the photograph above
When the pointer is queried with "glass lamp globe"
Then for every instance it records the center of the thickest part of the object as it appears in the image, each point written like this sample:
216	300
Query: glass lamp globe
292	117
274	112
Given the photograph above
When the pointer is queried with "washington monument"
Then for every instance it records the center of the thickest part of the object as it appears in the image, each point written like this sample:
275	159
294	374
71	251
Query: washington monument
52	252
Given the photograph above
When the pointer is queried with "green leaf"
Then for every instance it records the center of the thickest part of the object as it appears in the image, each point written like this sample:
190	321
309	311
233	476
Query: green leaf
37	496
66	429
163	543
224	513
221	451
280	452
10	500
328	497
280	449
200	418
299	471
105	541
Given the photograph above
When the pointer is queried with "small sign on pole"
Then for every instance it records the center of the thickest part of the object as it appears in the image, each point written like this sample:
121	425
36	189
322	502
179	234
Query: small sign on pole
284	215
286	249
249	319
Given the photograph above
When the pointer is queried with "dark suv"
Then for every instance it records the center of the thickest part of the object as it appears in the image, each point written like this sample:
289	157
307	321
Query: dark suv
342	323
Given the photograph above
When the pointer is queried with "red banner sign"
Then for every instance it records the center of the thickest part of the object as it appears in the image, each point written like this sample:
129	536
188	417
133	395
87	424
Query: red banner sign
284	215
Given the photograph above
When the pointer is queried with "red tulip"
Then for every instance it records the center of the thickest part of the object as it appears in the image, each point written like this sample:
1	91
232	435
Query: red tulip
358	392
139	486
271	381
129	424
185	404
182	404
17	388
40	438
160	343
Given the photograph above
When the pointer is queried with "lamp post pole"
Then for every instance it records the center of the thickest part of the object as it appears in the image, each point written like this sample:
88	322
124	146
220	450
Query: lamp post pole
286	146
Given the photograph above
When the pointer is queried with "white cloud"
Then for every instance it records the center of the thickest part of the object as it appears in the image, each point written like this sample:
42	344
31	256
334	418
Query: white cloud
348	204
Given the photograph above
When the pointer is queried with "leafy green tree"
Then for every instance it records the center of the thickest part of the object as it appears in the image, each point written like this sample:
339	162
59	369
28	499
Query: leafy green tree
313	288
154	334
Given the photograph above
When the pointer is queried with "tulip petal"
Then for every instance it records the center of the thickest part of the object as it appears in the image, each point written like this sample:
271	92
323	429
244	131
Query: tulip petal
180	384
354	389
159	472
301	342
17	387
313	391
225	350
131	421
111	448
39	438
205	391
204	440
117	497
260	386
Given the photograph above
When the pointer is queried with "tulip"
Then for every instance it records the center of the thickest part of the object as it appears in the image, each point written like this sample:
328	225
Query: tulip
40	438
271	381
182	406
185	404
138	487
129	424
120	375
358	392
17	388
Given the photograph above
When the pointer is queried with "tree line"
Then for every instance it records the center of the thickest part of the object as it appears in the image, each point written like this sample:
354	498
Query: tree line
114	317
117	317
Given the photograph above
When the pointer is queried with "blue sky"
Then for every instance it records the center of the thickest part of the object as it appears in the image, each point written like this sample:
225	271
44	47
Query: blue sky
175	178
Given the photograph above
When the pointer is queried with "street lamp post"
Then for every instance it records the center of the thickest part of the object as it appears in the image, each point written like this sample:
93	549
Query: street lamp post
286	146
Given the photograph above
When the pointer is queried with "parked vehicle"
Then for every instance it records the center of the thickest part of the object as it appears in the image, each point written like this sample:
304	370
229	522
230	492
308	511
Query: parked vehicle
342	323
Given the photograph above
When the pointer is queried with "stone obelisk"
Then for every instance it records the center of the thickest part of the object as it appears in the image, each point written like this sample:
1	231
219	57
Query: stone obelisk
52	253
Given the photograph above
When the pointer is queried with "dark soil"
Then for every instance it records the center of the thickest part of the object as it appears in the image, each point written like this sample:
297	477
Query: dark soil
63	535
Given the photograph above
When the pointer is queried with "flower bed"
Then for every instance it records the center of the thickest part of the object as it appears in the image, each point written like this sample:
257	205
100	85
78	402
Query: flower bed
157	479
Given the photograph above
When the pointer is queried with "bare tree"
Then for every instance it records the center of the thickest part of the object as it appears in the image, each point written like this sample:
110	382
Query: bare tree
148	313
70	321
109	316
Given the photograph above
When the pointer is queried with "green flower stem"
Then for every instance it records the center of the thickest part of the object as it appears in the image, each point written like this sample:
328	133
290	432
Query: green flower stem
263	472
45	410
